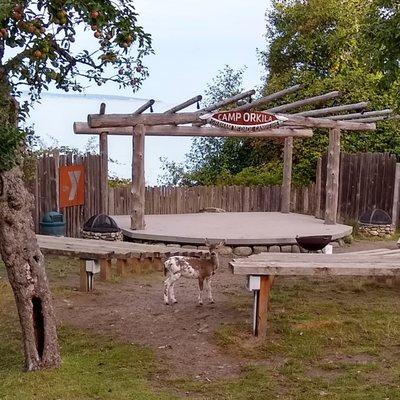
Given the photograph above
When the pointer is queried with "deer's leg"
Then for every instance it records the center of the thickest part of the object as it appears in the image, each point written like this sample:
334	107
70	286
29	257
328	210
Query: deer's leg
168	287
171	291
201	285
166	290
207	282
172	288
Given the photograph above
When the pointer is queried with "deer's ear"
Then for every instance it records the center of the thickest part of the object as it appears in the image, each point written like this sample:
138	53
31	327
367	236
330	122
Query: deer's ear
206	242
222	243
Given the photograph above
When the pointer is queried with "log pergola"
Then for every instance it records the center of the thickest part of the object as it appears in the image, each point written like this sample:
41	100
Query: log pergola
300	124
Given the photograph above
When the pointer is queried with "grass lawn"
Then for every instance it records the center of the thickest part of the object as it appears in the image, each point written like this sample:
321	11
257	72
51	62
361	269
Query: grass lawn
94	367
336	340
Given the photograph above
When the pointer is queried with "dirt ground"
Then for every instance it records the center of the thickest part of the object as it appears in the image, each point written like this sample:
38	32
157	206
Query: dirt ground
132	309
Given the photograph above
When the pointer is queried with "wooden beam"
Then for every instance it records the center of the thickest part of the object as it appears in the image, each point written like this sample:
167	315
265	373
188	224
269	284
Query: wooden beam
327	123
369	120
138	179
333	110
269	98
228	101
82	128
123	120
103	148
144	107
183	105
287	175
332	180
327	267
300	103
362	115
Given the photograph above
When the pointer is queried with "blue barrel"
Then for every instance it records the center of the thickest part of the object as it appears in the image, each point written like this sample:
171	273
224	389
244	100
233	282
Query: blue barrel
53	224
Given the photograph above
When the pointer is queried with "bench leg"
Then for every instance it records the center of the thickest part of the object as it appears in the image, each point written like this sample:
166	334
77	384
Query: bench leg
105	269
261	304
158	264
83	286
122	267
135	265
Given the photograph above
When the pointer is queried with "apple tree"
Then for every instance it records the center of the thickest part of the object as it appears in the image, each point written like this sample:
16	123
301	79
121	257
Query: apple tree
42	45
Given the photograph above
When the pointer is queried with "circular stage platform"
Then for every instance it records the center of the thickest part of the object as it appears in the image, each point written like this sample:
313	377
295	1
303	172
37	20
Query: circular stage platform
237	228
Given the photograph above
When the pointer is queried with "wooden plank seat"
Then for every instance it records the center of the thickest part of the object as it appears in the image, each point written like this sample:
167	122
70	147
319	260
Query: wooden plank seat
97	255
262	268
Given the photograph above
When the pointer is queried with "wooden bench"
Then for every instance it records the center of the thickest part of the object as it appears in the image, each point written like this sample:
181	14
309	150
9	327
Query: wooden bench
97	255
262	268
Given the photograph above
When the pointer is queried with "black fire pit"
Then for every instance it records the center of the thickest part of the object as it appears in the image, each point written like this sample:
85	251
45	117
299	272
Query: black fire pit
101	226
313	243
376	223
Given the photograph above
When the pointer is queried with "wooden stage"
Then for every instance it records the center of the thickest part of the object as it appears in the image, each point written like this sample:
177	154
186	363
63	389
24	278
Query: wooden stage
237	228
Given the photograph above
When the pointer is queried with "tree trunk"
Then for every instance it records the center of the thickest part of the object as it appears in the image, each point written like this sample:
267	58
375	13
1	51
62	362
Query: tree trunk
26	273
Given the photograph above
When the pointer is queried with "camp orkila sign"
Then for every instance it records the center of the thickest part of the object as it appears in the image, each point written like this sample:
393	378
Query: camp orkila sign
243	120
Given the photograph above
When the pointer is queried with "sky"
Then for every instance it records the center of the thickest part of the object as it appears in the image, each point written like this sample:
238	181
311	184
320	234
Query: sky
192	40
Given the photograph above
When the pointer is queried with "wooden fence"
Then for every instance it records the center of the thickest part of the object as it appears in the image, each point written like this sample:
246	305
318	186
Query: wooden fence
45	188
182	200
367	181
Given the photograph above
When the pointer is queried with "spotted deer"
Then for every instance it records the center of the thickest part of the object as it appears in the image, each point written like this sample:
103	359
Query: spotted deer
191	267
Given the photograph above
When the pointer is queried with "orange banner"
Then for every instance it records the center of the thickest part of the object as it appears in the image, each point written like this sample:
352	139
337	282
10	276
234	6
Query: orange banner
72	185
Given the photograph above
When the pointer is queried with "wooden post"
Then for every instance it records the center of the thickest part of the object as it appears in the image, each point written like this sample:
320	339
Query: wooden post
318	189
122	267
332	177
138	180
396	193
103	147
135	265
105	269
287	175
262	305
104	172
83	287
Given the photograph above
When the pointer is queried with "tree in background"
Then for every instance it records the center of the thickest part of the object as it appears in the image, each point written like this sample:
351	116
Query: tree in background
347	45
336	44
222	161
37	51
207	158
382	37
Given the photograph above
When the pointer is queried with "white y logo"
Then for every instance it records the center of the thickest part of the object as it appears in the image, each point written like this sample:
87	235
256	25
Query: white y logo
74	177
